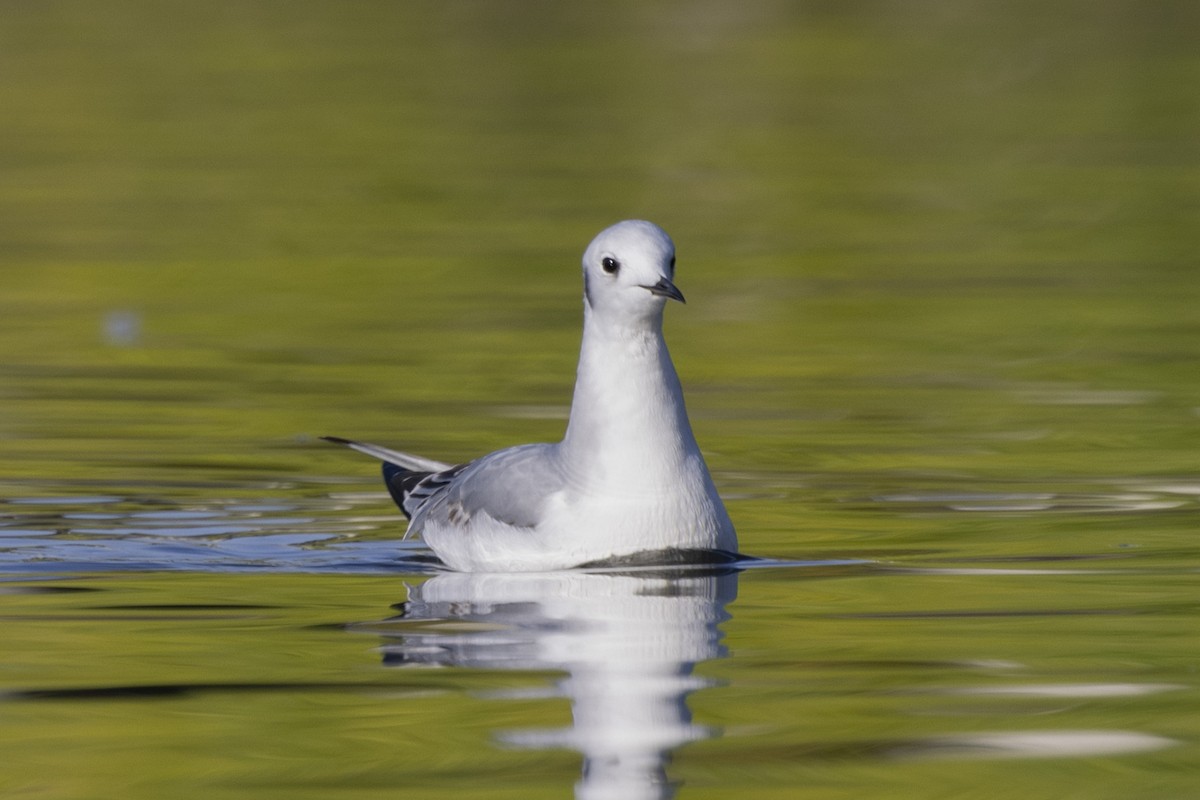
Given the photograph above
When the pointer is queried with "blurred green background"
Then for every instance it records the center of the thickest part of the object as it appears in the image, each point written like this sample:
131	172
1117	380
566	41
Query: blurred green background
918	239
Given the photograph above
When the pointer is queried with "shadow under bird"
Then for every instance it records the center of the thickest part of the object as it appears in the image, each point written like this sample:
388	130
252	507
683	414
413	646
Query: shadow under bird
626	485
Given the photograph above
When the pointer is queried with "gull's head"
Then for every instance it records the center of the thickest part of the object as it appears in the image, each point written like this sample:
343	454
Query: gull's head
629	268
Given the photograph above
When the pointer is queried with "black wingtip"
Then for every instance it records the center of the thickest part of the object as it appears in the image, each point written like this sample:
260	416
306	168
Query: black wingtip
399	482
336	440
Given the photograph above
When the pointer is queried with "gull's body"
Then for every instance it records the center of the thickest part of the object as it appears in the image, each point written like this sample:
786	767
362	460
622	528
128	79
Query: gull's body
628	476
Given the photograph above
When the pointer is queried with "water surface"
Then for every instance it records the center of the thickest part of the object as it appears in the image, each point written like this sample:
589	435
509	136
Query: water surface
939	349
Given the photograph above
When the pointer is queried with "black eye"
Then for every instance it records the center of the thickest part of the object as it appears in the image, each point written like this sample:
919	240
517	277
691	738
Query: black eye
611	265
672	263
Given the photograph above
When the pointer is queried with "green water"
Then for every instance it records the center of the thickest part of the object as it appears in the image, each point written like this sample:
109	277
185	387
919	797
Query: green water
940	344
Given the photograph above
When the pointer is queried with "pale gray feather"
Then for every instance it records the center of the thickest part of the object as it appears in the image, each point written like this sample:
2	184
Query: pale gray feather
511	486
406	460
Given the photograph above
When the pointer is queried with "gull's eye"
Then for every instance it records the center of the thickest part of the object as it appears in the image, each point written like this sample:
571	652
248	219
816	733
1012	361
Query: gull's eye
610	265
672	264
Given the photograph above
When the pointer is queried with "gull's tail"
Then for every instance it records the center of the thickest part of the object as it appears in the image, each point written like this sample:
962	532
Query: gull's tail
405	460
410	480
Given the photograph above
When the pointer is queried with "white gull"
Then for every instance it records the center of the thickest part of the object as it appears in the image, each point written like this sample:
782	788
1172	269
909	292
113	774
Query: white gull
626	484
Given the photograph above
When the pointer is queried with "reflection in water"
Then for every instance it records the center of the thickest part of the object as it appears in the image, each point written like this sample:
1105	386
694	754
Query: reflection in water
627	642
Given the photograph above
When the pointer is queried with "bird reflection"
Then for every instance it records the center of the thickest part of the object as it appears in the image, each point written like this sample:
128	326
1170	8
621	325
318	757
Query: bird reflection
627	642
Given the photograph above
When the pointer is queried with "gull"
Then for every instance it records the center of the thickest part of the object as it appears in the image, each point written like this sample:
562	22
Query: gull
627	484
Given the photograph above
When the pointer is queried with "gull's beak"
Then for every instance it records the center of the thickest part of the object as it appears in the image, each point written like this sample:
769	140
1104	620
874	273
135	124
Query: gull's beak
664	288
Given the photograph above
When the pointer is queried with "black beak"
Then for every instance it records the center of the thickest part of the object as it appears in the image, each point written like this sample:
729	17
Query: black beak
664	288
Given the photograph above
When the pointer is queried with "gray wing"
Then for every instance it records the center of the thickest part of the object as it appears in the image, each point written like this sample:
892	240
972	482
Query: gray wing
511	486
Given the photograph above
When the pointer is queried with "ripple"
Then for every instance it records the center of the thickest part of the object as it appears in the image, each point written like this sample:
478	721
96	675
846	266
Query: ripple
75	500
1069	690
1033	744
1040	502
47	533
1078	396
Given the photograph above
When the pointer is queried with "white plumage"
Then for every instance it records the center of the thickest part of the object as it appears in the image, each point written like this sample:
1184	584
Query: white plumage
627	479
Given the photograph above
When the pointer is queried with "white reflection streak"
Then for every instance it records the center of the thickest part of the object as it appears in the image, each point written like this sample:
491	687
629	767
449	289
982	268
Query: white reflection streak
1071	690
628	644
1038	744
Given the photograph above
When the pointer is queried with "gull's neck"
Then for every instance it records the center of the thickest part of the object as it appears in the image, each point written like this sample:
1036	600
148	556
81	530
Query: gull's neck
628	427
